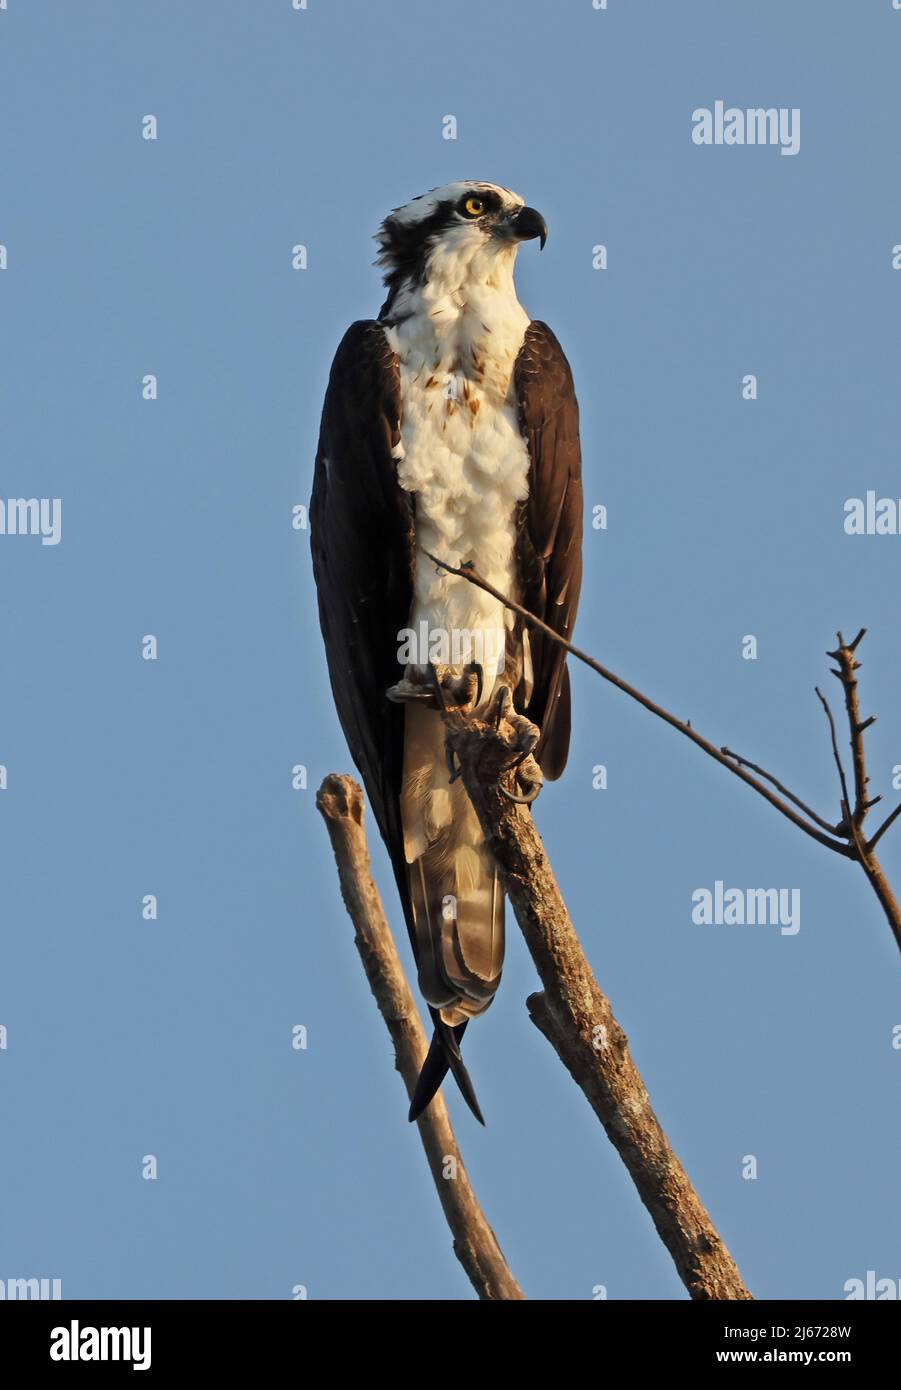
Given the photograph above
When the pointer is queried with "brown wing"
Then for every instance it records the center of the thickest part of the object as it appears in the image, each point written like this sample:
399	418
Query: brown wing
549	544
362	536
361	525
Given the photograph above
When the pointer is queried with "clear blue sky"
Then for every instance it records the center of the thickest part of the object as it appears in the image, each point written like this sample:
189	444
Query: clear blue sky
127	777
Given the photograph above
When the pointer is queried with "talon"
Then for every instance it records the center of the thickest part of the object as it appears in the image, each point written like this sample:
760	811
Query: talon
502	702
520	757
405	693
436	685
455	773
475	668
520	800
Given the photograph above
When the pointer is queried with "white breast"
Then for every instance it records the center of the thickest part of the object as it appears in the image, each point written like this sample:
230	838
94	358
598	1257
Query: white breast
462	456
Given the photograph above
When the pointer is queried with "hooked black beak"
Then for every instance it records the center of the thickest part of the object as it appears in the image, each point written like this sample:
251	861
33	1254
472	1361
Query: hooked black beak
528	224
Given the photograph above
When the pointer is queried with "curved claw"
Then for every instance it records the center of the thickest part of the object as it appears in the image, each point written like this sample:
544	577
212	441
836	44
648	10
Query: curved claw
520	800
520	758
436	685
503	702
455	772
479	684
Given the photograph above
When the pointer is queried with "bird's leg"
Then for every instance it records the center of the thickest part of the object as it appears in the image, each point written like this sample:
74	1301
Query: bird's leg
437	684
453	770
466	690
414	688
440	687
526	741
451	691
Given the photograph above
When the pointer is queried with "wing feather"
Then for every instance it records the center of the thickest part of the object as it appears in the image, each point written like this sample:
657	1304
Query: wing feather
549	543
361	524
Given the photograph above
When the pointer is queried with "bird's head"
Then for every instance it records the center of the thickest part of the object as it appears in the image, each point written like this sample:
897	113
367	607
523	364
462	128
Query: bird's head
463	231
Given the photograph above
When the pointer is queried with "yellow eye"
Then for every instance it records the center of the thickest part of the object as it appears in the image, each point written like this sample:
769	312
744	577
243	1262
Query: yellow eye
474	207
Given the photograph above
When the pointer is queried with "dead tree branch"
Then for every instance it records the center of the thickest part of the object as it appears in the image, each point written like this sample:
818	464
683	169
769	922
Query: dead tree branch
846	837
854	817
576	1017
719	755
340	802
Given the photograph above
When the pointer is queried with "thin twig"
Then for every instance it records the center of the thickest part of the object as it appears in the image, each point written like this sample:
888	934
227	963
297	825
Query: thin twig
854	820
467	571
340	802
851	845
848	664
837	756
802	805
889	820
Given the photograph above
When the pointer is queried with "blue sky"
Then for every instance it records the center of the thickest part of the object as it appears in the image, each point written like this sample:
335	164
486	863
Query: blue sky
129	777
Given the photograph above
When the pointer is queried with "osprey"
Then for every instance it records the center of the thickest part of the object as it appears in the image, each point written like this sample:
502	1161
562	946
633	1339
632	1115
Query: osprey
451	428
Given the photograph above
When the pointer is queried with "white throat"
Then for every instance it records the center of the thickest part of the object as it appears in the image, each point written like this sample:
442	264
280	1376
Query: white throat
457	337
465	320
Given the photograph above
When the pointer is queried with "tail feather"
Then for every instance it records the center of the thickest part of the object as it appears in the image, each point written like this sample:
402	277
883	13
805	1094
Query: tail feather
456	904
443	1056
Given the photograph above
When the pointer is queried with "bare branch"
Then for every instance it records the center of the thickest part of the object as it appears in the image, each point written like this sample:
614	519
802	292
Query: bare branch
848	664
889	820
467	571
836	755
768	776
880	885
577	1019
854	819
340	802
851	844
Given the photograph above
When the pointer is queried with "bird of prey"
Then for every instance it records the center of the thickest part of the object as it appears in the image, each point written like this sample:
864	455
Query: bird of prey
450	429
